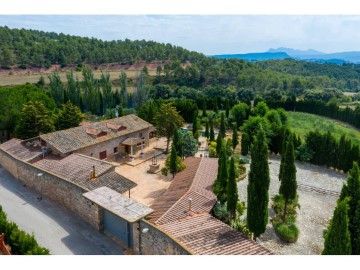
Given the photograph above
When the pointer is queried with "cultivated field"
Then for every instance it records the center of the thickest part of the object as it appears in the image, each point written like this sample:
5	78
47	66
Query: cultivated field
302	123
6	80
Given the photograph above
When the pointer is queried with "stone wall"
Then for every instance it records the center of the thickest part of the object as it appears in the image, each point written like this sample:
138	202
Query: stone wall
55	188
156	241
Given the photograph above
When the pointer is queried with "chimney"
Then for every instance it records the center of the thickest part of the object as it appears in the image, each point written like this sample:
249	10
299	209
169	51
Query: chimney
93	172
190	206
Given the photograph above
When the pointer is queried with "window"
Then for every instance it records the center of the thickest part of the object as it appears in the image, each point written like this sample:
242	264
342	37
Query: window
115	149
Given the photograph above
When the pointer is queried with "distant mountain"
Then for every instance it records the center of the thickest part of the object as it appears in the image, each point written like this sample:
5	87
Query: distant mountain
255	56
296	53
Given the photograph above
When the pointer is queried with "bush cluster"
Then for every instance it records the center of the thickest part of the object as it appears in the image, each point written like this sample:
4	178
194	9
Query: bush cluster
20	242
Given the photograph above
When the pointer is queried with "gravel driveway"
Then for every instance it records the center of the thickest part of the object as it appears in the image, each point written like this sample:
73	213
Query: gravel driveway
315	211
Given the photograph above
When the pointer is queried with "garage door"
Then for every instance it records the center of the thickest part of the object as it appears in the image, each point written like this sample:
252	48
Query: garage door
118	227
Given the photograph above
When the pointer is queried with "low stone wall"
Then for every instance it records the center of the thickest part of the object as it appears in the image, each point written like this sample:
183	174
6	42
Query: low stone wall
156	241
54	187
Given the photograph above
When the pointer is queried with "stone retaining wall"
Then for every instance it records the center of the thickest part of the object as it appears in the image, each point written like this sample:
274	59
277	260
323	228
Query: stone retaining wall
53	187
156	242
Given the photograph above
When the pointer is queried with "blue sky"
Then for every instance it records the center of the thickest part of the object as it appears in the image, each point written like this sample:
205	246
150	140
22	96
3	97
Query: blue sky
215	34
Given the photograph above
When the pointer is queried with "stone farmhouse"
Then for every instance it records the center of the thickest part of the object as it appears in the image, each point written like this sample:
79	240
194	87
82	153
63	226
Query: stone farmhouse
69	167
101	139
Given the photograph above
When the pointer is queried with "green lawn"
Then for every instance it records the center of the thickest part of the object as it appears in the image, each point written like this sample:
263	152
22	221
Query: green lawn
302	123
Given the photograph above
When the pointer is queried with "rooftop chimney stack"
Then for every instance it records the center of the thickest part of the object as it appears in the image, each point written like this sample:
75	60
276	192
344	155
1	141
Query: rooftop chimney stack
190	200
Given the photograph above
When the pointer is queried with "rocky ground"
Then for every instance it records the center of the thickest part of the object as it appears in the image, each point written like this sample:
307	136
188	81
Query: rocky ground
315	211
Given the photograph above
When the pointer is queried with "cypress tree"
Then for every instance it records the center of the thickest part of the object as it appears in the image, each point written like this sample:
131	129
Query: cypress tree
227	108
173	157
245	141
204	114
235	137
219	144
258	186
195	125
222	177
120	111
356	243
283	150
352	190
216	108
222	126
212	133
231	190
337	237
207	128
288	184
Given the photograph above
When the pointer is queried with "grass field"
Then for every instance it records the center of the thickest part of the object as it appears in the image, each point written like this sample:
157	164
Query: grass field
302	123
6	80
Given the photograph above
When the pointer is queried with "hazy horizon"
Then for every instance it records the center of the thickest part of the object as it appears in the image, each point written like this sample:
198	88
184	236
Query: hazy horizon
208	34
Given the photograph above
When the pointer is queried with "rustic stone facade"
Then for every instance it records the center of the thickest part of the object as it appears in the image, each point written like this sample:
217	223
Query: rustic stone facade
55	188
155	241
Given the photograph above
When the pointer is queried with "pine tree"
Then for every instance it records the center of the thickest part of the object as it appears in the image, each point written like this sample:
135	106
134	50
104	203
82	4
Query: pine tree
222	126
173	158
222	176
34	119
352	190
212	133
231	190
235	136
207	128
69	116
337	237
245	141
288	184
258	186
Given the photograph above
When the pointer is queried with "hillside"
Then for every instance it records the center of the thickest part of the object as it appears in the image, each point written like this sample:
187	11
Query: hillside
255	56
31	48
302	123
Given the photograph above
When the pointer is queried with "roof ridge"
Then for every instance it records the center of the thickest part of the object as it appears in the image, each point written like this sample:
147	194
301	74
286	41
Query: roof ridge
186	193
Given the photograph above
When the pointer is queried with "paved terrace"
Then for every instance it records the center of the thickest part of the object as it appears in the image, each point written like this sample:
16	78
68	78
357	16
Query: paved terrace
192	224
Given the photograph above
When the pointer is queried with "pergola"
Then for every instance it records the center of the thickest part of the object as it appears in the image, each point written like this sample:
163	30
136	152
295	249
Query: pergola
133	142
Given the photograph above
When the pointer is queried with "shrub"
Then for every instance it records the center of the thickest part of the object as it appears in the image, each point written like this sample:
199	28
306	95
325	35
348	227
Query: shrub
180	165
244	160
240	226
212	149
20	242
220	212
279	203
287	232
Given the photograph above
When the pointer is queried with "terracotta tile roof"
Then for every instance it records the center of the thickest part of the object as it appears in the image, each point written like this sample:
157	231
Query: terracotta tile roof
21	150
79	137
76	168
206	235
178	187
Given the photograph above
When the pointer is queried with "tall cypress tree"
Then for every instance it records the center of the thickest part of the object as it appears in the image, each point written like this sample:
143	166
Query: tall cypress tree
258	186
176	143
222	177
288	184
219	144
212	133
173	158
352	190
207	128
245	141
337	237
235	137
222	126
204	114
195	125
283	150
227	108
231	190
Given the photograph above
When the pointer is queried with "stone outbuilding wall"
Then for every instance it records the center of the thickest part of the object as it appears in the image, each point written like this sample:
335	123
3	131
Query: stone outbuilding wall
53	187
